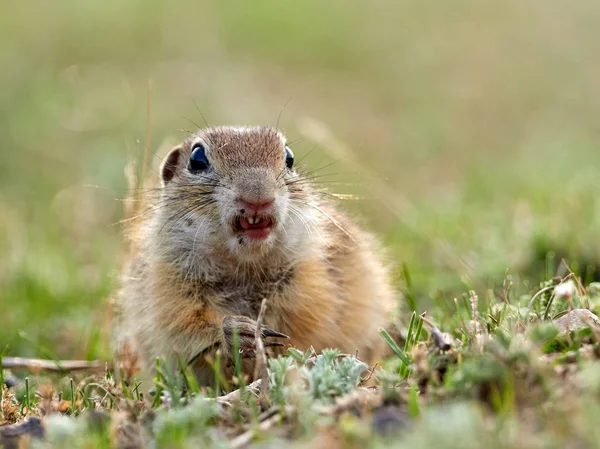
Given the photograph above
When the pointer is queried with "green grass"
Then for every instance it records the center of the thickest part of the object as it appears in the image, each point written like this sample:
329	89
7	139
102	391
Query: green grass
512	380
468	130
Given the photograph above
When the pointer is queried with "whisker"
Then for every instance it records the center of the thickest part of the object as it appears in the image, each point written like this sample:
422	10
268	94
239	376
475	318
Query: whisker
339	196
308	178
300	161
302	219
163	202
343	196
167	200
195	205
329	217
295	141
176	187
193	123
177	218
201	114
321	168
280	175
301	180
193	252
196	195
281	112
332	182
224	145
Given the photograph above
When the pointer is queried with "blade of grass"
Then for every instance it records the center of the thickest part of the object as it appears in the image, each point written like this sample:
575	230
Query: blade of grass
158	381
27	396
409	334
188	377
410	292
547	311
72	384
2	381
419	330
220	380
392	344
136	391
413	402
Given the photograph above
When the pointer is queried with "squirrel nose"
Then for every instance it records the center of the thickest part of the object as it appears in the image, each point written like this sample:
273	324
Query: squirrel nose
254	206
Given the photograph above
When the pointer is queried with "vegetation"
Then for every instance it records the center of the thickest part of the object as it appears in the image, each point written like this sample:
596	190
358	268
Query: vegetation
507	375
466	134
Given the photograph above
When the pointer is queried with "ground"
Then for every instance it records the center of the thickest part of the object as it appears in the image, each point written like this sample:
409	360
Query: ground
467	131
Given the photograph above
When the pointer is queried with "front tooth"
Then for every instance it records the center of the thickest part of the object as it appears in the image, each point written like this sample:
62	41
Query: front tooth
251	220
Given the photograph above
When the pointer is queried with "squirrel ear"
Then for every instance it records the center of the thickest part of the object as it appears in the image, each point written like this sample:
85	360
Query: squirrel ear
169	165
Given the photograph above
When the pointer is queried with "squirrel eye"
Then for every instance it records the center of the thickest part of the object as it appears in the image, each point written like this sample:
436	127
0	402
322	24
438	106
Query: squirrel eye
198	159
289	158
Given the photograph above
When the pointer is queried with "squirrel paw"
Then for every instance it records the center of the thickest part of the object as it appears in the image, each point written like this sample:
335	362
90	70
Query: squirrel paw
246	331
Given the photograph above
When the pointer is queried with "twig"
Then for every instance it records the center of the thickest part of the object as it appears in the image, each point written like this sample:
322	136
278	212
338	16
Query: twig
236	395
427	321
532	300
474	310
260	369
53	365
506	292
245	438
371	371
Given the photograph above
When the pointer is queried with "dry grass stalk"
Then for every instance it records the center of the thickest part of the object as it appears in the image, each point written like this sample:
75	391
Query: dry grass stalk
260	368
59	366
474	311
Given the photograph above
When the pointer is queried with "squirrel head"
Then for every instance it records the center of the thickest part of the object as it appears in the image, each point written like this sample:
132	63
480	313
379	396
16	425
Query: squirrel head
235	189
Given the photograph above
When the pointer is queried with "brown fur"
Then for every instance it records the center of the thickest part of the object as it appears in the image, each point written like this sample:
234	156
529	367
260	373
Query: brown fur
324	278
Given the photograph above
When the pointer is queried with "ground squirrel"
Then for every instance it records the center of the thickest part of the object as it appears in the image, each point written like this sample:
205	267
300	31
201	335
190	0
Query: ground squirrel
231	223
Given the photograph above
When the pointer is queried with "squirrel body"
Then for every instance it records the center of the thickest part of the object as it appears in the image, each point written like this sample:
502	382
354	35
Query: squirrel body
233	223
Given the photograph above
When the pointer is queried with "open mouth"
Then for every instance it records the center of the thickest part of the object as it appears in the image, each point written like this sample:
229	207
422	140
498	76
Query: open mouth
254	227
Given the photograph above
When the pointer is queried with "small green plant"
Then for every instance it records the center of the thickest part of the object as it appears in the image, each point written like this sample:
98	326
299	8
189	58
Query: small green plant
513	366
176	425
415	329
333	374
278	369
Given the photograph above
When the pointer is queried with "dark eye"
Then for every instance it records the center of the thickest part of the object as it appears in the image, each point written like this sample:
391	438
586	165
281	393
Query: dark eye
289	158
198	159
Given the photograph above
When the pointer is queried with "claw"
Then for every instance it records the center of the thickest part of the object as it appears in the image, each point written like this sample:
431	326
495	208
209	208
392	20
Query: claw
266	332
246	331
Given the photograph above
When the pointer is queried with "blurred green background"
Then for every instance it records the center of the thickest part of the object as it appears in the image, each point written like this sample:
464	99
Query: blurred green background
469	128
